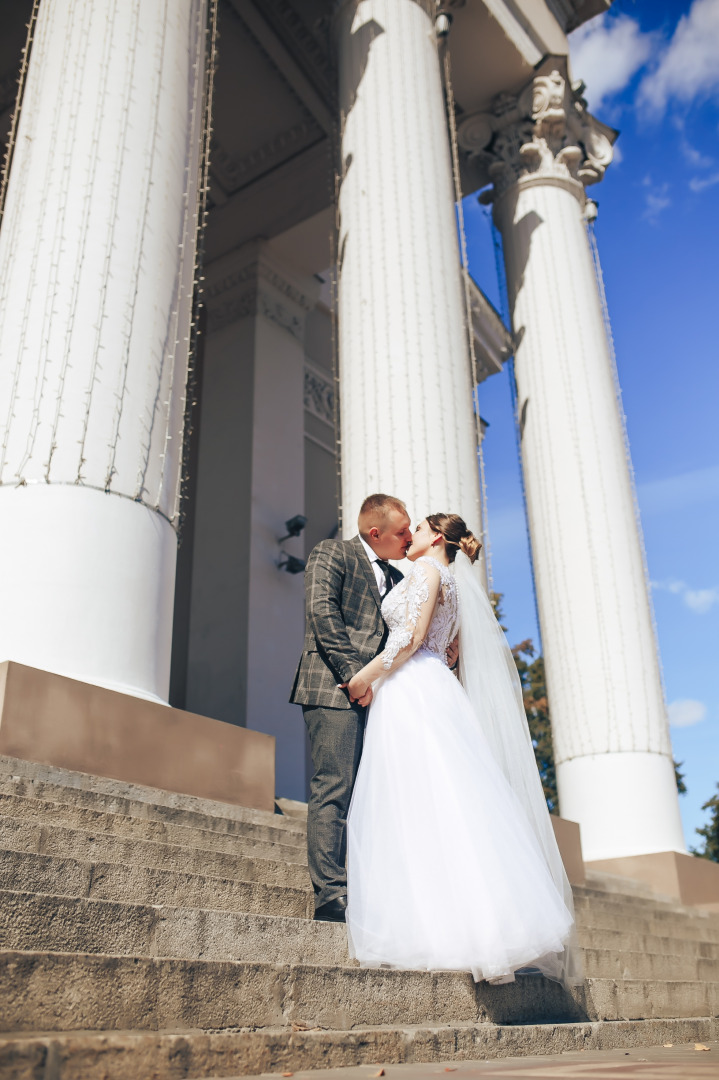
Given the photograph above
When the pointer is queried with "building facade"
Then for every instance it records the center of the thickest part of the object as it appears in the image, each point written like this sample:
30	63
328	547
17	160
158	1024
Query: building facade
338	336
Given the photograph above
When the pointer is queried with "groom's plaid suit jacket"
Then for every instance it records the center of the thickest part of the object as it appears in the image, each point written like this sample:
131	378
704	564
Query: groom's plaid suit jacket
344	629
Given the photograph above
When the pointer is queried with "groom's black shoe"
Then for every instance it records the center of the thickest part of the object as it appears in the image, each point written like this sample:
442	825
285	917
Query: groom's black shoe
332	911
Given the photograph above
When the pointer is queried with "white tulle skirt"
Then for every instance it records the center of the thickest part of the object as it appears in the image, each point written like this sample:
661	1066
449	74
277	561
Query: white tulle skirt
444	871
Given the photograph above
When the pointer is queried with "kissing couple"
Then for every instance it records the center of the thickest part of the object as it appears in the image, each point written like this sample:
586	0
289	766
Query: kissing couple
427	827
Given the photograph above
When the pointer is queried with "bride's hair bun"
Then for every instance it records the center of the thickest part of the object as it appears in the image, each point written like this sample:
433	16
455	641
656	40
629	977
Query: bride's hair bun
471	546
457	536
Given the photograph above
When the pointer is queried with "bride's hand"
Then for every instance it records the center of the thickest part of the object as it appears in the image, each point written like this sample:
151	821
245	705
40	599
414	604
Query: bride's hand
359	687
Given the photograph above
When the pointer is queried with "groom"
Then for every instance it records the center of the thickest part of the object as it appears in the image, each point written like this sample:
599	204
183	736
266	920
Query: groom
345	583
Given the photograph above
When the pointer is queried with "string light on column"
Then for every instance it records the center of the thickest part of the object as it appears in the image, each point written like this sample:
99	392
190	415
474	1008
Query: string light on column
468	313
190	402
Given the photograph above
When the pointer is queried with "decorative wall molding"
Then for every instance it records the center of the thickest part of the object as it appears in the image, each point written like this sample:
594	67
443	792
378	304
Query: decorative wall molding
309	49
235	173
247	283
319	395
545	131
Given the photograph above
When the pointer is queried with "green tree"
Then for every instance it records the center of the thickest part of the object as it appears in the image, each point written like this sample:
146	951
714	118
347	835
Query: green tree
536	706
710	832
679	777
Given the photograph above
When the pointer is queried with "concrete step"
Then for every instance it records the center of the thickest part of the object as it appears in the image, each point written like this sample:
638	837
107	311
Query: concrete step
64	924
638	906
49	991
67	923
606	964
21	808
262	826
50	839
680	924
135	884
184	1055
137	800
618	941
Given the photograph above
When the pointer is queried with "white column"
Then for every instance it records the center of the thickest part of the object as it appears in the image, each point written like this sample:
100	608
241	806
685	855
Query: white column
611	739
97	254
407	424
247	615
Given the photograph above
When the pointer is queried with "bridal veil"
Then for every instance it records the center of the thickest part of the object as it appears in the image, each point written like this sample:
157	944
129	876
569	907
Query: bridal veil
489	675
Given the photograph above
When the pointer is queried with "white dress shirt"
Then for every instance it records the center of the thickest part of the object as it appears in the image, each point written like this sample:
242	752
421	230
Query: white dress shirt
378	571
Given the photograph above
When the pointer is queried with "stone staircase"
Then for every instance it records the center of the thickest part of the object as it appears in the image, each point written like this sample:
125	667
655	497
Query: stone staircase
146	934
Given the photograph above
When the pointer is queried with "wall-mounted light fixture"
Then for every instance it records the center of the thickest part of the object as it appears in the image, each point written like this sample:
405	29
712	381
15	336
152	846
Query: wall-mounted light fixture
290	563
442	24
294	527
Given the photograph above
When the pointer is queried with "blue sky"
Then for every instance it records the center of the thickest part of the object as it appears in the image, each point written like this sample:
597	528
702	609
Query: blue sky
651	70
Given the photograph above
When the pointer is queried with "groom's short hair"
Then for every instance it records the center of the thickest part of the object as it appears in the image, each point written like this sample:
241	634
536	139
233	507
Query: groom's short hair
376	509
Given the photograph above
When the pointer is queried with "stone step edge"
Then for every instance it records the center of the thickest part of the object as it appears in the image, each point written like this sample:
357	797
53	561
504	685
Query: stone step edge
89	871
129	828
47	839
87	799
204	1055
290	924
140	793
286	924
197	931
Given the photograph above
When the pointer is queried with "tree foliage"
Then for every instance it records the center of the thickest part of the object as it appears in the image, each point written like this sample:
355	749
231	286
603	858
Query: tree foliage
710	831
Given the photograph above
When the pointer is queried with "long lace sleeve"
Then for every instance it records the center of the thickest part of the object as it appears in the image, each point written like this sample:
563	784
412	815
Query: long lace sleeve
423	585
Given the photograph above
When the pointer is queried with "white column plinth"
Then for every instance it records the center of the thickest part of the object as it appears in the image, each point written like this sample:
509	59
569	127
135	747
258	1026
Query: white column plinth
407	424
611	737
97	254
624	803
88	587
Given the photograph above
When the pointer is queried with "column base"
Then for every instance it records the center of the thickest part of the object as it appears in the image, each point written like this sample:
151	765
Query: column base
625	803
60	722
87	587
686	878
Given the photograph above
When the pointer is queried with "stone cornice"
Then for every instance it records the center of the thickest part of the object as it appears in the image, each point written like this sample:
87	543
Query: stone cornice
319	394
249	282
545	132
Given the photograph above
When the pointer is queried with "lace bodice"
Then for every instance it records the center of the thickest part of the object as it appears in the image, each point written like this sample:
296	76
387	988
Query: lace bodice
401	610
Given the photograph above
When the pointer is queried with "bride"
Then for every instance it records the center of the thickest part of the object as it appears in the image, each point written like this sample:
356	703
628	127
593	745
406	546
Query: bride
452	861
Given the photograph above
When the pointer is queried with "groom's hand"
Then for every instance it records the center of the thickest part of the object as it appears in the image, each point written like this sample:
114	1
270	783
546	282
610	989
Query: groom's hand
453	652
364	700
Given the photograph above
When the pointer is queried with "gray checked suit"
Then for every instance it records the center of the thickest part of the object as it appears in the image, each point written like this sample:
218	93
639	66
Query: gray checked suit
344	630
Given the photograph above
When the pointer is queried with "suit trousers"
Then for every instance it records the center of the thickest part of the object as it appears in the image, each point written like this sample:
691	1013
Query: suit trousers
336	737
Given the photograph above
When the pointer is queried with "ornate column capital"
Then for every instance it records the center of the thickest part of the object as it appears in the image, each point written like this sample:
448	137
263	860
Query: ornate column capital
543	134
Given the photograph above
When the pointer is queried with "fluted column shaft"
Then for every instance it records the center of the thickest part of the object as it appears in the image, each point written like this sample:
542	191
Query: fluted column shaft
611	740
405	386
97	253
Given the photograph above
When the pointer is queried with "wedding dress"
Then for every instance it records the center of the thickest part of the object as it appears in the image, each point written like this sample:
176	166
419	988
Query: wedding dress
448	866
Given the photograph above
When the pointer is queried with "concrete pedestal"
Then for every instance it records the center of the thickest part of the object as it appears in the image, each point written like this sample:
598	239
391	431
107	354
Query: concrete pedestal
56	721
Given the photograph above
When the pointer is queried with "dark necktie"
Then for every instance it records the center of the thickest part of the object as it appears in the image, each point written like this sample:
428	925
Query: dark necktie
384	567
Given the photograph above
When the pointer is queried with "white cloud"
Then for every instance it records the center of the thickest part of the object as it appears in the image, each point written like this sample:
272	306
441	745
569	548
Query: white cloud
700	601
700	183
687	68
606	52
656	199
694	156
686	712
